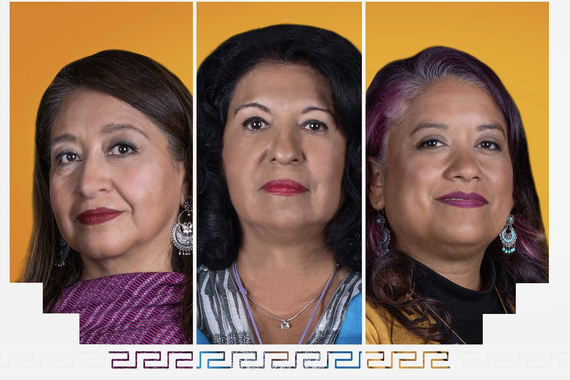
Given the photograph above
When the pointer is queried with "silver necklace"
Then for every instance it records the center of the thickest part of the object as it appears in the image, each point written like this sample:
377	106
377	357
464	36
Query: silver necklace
285	322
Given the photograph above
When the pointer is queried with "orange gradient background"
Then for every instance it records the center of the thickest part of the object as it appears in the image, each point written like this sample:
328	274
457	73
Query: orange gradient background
511	38
44	37
216	22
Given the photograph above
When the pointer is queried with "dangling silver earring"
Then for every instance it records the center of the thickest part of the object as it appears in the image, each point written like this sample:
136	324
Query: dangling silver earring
381	222
181	234
62	253
508	238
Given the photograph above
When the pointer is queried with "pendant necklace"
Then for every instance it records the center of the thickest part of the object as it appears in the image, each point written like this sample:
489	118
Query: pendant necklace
284	322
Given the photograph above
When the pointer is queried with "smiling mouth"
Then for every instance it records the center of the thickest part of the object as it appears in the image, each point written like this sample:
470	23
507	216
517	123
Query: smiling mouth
98	216
284	187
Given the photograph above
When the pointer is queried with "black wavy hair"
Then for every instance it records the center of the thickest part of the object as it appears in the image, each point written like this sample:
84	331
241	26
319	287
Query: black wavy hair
339	62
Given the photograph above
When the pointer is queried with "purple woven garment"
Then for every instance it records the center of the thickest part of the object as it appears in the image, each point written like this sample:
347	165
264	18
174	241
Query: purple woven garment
132	308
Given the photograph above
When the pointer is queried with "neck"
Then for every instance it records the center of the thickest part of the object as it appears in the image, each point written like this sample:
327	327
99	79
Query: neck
465	271
136	260
293	253
282	274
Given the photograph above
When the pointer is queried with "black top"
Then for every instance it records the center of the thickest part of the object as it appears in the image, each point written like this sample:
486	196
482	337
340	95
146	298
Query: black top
465	306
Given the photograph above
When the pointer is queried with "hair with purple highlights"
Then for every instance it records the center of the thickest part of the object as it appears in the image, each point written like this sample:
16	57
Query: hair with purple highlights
389	275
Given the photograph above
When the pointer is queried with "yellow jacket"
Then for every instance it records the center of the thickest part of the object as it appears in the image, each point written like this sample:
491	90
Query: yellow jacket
381	328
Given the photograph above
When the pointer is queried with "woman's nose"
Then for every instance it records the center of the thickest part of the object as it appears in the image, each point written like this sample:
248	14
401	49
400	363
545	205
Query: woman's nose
286	146
93	178
463	166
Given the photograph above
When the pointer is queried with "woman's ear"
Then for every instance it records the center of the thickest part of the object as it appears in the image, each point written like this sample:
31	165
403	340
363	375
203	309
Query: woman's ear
185	192
375	186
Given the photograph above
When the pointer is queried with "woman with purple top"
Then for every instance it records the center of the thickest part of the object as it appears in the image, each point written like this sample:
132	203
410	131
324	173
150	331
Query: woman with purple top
453	216
112	232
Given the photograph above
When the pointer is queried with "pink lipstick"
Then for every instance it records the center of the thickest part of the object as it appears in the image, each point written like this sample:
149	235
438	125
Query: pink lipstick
98	216
284	187
463	200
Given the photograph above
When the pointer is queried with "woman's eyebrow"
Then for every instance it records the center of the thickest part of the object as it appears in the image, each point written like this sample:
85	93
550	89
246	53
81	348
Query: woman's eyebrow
492	126
110	128
255	105
315	108
428	125
66	137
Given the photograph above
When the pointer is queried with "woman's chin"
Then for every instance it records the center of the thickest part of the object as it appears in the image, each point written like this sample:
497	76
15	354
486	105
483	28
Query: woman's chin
102	251
290	224
459	235
467	240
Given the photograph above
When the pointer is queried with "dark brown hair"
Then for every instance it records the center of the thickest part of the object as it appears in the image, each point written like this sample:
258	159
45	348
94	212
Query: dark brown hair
145	85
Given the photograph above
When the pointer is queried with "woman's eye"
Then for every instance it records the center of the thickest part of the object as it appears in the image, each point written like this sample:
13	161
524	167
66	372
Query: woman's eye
255	124
315	126
122	149
490	145
66	157
431	143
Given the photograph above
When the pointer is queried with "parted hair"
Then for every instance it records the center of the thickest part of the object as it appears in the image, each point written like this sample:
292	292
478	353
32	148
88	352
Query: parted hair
143	84
389	275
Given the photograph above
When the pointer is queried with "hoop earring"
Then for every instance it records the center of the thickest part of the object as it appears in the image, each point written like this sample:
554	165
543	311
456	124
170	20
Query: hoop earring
508	238
181	234
62	253
381	222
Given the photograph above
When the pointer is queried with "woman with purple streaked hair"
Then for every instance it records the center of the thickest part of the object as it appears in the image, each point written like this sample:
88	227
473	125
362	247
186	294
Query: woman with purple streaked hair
453	216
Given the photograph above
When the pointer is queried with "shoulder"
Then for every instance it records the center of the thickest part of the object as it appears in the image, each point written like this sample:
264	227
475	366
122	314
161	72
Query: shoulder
205	274
382	328
378	325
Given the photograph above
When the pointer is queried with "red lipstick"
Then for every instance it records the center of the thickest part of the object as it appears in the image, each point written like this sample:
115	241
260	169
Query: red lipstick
284	187
463	200
98	216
